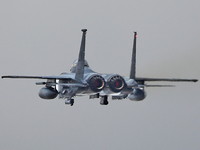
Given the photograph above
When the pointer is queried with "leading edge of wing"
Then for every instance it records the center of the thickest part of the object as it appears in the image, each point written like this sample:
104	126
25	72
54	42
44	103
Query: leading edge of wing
166	79
37	77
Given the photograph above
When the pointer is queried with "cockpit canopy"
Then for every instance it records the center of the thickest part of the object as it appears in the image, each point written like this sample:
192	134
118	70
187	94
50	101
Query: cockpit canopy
75	64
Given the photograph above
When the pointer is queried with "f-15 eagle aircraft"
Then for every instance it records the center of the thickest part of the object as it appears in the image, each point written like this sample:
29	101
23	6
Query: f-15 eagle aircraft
82	80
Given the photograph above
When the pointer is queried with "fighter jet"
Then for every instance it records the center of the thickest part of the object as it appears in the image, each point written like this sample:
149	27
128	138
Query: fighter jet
82	80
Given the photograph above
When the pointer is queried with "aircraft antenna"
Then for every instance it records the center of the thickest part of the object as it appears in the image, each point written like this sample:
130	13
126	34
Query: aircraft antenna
81	58
133	61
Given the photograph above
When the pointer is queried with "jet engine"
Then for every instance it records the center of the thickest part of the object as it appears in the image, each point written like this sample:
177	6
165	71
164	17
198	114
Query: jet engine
137	95
96	82
115	82
48	93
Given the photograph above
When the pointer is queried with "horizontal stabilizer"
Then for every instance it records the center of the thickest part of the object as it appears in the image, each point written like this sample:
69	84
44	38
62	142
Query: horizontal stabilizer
159	85
70	84
63	84
144	85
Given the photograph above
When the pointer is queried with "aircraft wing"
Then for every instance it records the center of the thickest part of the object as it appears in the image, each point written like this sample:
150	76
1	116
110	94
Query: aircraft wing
139	79
38	77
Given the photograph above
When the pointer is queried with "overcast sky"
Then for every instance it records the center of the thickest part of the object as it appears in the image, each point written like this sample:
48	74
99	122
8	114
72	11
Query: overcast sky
43	37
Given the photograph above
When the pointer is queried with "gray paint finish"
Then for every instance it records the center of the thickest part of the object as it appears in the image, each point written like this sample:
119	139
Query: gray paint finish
82	80
43	38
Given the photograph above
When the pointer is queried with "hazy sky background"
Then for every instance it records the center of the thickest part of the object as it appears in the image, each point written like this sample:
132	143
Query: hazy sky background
42	37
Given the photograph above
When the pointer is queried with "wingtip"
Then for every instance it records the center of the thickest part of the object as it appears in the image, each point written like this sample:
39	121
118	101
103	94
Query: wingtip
195	80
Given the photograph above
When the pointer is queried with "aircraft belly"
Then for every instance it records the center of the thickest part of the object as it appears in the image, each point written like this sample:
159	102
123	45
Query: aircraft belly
70	91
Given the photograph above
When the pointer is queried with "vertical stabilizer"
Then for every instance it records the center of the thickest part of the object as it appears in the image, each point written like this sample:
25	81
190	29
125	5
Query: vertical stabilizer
81	58
133	61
